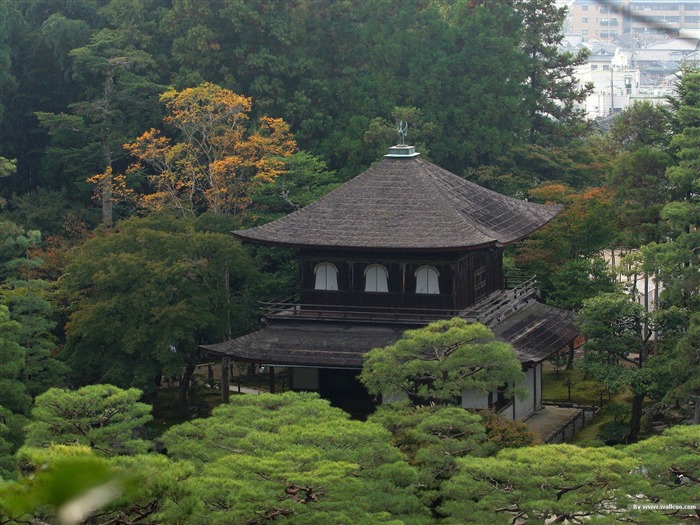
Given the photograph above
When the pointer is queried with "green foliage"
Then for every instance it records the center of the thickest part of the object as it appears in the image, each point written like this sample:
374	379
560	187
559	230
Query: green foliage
49	211
15	400
611	324
581	230
676	452
580	279
304	180
103	417
540	483
676	258
433	438
292	455
147	295
67	484
29	307
579	485
684	367
436	363
552	96
641	189
613	432
14	395
617	331
332	70
11	438
641	124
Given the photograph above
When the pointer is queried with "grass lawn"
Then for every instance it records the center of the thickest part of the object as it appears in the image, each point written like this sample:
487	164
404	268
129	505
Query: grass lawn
167	410
583	391
603	416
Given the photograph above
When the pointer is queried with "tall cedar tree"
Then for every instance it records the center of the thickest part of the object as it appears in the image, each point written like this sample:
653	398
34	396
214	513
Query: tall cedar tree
552	91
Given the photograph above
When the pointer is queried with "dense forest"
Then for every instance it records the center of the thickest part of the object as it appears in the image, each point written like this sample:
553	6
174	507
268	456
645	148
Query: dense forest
135	135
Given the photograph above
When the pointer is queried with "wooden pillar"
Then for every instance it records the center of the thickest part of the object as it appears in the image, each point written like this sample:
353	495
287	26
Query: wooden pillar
272	380
696	414
225	367
571	353
656	308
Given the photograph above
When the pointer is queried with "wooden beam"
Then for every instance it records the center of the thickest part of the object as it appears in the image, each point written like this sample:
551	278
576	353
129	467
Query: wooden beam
272	380
225	371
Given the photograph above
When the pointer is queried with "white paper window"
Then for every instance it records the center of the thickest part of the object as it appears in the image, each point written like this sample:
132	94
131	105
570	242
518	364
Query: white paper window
376	278
326	276
427	280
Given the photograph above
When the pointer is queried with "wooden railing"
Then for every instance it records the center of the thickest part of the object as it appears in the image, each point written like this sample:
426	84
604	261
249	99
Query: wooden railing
514	277
501	304
291	308
488	311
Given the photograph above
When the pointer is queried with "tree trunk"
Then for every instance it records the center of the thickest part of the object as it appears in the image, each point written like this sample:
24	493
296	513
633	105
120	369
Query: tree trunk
636	418
185	382
107	197
570	357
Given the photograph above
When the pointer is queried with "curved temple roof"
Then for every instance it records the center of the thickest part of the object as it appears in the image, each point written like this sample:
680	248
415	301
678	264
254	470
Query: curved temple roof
406	203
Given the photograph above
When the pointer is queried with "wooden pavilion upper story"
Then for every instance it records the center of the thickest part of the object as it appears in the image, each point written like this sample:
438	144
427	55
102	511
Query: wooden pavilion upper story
402	244
405	234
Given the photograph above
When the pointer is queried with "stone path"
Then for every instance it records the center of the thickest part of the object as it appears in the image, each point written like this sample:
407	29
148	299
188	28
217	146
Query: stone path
550	419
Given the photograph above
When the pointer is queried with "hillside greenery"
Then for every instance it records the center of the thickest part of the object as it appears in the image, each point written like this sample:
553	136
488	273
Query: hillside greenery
136	135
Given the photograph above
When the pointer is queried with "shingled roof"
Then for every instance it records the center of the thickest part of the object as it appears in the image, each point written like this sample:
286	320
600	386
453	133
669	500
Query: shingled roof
406	203
326	345
536	332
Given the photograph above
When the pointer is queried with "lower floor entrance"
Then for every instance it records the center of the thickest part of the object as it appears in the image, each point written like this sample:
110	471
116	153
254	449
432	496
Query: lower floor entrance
343	389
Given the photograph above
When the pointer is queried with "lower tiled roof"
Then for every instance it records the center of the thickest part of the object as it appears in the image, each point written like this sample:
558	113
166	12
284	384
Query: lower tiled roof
308	344
536	331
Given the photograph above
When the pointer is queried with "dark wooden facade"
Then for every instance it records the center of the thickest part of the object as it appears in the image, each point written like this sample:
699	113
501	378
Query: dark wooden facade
464	279
421	224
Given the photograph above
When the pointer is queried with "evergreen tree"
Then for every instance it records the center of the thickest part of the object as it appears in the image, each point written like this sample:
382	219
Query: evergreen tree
436	363
147	295
552	95
103	417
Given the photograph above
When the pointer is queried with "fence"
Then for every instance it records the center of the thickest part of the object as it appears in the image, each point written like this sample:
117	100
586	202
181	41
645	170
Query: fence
584	415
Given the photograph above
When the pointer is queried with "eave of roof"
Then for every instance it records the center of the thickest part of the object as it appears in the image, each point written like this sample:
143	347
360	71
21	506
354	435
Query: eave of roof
406	203
535	332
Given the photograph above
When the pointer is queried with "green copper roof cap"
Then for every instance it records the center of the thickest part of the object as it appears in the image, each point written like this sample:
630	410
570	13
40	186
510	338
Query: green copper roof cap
402	151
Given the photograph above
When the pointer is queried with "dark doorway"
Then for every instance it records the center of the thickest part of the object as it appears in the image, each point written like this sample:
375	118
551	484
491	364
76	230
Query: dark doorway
344	390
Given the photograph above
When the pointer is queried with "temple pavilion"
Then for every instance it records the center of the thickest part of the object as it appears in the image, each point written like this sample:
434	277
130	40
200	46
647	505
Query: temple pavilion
402	244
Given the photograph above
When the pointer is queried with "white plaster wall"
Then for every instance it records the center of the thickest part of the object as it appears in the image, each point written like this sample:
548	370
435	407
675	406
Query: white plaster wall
526	407
304	378
474	399
395	397
538	385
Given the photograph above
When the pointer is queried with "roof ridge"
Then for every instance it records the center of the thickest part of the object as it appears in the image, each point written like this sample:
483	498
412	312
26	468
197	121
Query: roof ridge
439	174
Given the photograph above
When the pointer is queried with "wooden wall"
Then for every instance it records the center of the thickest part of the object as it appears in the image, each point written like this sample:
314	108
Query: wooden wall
463	279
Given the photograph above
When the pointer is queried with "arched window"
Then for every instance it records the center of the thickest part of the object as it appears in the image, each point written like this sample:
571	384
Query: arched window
326	276
427	280
375	278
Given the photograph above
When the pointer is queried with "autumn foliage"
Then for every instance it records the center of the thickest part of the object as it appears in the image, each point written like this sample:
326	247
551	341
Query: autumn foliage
217	158
580	229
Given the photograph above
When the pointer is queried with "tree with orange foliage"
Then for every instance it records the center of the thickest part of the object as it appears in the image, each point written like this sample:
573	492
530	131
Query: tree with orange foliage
582	229
217	159
578	233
